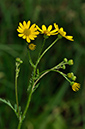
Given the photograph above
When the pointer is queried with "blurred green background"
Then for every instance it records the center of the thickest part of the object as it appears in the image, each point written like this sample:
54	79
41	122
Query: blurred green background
54	105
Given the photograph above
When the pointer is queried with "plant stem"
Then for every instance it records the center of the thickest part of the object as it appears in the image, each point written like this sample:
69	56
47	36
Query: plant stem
46	51
25	111
52	69
16	94
42	47
63	75
30	60
34	83
28	101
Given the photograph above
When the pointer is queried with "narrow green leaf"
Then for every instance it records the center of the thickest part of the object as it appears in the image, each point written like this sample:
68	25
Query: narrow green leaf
9	104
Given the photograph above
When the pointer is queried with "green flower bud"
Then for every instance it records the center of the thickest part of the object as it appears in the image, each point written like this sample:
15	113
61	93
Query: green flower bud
19	60
70	62
65	60
70	75
74	78
64	67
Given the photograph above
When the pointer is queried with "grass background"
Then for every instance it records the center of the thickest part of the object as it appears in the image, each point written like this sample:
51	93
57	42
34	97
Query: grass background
54	105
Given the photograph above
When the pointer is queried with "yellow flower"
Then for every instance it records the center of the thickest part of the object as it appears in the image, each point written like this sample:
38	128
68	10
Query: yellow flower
47	31
27	32
32	46
63	33
75	86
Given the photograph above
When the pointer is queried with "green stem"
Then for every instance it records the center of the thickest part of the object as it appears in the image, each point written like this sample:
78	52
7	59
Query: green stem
64	75
30	60
46	51
47	71
25	111
28	101
42	47
33	83
16	94
52	69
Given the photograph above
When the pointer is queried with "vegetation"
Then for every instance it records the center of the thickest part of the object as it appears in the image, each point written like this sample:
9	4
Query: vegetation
54	105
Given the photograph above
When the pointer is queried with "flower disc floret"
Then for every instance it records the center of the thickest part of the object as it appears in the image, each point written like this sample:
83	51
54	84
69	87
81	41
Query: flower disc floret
47	31
27	32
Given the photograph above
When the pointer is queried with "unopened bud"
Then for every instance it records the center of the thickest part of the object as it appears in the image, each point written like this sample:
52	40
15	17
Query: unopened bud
65	60
70	75
74	78
64	67
70	62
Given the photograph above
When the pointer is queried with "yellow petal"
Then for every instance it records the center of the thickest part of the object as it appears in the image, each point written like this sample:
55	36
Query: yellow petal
70	38
36	33
32	27
61	29
21	25
20	35
53	31
49	27
56	26
20	28
38	28
24	23
24	37
20	31
28	40
28	24
62	32
43	27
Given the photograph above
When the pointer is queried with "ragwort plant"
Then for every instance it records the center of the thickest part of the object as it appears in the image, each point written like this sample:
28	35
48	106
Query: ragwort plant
30	33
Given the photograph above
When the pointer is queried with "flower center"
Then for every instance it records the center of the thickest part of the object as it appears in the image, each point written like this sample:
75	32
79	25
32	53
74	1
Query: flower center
46	32
27	32
61	32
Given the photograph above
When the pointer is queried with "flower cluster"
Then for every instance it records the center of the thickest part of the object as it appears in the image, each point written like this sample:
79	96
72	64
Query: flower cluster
31	32
71	77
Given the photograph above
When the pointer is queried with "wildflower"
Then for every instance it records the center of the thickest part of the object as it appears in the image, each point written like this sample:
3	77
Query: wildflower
32	46
27	32
63	33
47	31
75	86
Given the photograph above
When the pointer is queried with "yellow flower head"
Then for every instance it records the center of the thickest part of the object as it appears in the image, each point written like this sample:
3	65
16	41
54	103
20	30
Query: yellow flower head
63	33
75	86
47	31
27	32
32	46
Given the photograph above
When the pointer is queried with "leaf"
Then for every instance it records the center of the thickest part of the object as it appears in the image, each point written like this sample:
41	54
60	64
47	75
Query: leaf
9	104
38	71
36	86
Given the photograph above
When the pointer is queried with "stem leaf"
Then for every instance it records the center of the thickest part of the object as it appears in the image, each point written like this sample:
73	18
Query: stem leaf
36	86
9	104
